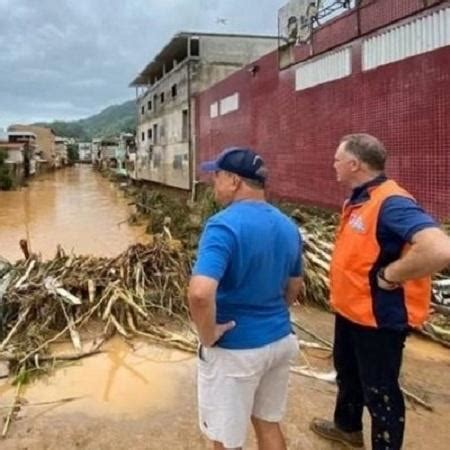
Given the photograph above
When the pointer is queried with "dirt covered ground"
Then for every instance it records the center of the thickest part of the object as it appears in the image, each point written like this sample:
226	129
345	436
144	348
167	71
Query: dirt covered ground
139	396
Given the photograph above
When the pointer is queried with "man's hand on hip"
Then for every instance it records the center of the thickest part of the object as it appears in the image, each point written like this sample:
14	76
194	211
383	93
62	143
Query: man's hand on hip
219	330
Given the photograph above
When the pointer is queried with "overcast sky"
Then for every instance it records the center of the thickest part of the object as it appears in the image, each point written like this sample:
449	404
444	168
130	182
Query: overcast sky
68	59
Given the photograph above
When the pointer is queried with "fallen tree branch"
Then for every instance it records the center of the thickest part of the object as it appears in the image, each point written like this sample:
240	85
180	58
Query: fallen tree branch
323	341
52	402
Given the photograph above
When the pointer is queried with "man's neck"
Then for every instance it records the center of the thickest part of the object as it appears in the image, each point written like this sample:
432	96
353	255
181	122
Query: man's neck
364	179
253	195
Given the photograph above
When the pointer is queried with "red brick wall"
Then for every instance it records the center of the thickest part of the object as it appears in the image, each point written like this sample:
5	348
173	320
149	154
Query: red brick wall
406	104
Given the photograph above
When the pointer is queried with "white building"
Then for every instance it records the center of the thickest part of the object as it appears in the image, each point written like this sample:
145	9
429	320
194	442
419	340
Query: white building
188	64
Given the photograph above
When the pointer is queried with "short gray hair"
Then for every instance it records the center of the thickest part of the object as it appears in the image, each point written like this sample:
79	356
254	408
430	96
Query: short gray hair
367	149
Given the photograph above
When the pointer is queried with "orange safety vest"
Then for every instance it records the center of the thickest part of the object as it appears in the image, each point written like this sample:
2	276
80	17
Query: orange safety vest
353	286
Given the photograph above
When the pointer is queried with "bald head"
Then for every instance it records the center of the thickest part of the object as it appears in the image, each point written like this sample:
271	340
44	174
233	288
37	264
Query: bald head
367	149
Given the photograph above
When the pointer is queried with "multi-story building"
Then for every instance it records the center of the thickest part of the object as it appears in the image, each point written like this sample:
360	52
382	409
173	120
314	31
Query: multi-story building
85	152
24	143
45	143
61	158
188	64
12	155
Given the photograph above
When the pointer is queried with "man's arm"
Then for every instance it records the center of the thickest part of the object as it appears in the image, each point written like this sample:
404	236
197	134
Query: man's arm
202	305
429	253
295	285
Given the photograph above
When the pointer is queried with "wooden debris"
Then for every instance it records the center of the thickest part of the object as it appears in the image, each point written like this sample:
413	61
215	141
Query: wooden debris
135	293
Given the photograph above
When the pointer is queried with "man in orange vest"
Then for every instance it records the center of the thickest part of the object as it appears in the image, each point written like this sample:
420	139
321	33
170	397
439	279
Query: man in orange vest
385	251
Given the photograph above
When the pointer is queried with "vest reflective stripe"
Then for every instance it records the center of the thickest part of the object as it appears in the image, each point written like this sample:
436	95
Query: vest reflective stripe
354	258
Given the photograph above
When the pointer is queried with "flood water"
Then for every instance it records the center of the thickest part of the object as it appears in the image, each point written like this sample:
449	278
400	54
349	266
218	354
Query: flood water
128	378
75	207
87	214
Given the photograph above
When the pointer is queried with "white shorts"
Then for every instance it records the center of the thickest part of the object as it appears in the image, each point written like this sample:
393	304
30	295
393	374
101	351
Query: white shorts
234	385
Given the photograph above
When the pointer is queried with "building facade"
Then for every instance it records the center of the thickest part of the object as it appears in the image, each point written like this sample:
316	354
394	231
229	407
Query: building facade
46	153
380	67
24	145
85	152
61	157
166	89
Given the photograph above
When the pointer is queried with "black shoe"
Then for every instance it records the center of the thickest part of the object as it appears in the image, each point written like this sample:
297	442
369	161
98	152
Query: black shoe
329	430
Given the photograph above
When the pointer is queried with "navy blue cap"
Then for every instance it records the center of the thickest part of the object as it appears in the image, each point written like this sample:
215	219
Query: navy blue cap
241	161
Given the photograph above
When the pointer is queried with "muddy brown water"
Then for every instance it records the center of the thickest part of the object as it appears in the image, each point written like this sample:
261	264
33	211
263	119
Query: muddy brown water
126	379
75	207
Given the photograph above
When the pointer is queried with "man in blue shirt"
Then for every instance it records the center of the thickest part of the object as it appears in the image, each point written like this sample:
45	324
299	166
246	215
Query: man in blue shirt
248	271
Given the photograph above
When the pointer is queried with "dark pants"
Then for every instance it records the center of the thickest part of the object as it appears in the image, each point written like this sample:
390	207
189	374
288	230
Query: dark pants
367	362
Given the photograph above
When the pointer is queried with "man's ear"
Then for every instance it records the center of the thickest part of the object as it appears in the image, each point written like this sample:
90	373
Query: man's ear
356	164
236	181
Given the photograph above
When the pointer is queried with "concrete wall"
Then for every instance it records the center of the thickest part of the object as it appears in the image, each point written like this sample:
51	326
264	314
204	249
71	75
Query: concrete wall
405	103
14	155
235	50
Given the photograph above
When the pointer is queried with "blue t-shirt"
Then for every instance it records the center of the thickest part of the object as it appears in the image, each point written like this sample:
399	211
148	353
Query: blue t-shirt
251	249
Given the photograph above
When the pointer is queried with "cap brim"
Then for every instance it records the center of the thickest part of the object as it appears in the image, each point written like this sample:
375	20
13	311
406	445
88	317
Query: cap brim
209	166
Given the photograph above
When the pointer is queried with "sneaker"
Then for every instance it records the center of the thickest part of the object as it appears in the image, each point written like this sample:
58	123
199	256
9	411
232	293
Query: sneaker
329	430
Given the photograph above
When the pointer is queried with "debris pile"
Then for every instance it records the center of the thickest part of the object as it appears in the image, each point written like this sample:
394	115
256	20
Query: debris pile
140	292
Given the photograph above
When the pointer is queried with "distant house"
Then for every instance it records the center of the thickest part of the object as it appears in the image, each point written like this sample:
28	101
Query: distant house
85	151
46	152
27	140
127	147
15	158
61	157
187	65
104	152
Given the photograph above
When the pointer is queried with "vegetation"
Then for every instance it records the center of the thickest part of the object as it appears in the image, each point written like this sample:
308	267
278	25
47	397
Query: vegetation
111	121
6	182
73	153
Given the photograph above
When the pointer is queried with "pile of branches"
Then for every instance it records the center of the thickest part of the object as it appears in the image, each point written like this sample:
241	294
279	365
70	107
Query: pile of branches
318	228
133	294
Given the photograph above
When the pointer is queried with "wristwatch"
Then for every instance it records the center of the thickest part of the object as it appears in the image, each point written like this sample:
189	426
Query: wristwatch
382	276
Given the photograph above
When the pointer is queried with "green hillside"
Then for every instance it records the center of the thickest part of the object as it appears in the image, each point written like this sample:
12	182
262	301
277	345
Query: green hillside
109	122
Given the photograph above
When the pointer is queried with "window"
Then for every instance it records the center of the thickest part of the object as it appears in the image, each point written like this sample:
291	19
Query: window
149	134
161	97
213	110
143	110
174	91
177	163
184	125
149	105
195	47
142	136
229	104
155	133
157	160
